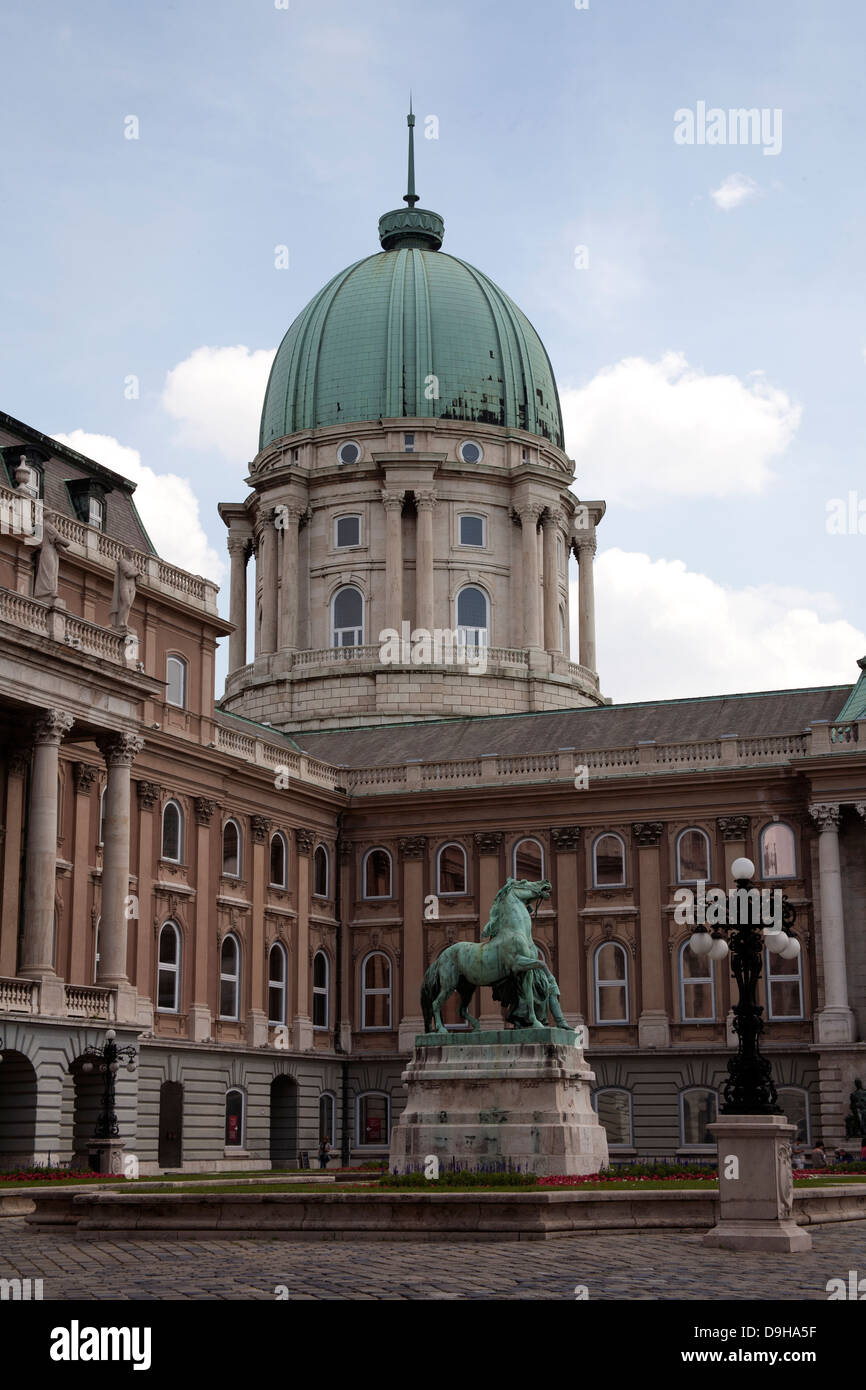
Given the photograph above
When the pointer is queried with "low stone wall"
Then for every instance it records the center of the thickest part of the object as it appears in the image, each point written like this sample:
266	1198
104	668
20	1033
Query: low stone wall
416	1216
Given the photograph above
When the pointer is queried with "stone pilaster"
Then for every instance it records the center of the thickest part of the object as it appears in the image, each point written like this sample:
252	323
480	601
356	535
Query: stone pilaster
40	865
393	504
119	751
238	550
413	850
267	557
653	1027
13	820
425	501
531	606
550	523
291	514
835	1022
585	548
565	840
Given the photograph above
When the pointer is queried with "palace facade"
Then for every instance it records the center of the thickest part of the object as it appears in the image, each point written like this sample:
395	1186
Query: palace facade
249	890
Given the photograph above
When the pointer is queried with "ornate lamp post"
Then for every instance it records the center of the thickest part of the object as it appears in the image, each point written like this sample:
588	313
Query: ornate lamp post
108	1059
756	1189
749	1089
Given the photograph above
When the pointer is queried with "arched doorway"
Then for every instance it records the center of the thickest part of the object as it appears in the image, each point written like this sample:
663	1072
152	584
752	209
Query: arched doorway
284	1122
17	1111
170	1152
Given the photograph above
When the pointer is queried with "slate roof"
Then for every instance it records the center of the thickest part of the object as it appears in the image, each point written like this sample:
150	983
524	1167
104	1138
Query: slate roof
122	521
609	726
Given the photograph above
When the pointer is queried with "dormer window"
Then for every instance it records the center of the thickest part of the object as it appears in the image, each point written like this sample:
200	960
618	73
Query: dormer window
88	500
25	467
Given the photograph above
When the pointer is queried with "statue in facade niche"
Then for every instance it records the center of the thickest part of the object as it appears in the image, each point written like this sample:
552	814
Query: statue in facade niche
506	958
855	1121
48	565
123	596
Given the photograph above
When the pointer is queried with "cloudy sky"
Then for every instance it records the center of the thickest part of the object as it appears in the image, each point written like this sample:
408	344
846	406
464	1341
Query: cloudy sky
702	302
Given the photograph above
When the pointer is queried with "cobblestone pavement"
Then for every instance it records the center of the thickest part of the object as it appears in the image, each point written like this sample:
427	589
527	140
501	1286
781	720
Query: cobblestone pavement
639	1266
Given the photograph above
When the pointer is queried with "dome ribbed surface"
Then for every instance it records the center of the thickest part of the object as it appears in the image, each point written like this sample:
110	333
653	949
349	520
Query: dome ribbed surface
367	345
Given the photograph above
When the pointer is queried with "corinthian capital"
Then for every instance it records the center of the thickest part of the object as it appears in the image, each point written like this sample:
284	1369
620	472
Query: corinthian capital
425	500
585	546
825	815
530	512
52	726
120	750
392	501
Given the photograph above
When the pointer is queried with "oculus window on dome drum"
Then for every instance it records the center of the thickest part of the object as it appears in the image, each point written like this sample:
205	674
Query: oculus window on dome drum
349	452
470	452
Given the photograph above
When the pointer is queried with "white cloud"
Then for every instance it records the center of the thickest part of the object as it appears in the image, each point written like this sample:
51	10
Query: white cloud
733	191
166	503
217	395
643	429
665	632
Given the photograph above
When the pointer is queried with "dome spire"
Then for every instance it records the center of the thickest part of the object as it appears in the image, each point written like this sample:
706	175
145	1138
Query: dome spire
410	196
411	226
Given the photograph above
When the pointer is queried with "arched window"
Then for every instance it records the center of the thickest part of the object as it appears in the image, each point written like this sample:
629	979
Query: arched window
347	531
473	617
376	991
321	990
277	969
168	969
527	860
347	617
610	970
172	832
230	977
102	815
778	851
697	987
373	1120
784	983
562	645
231	849
235	1118
794	1101
175	681
279	860
608	861
327	1116
693	856
321	872
614	1107
451	870
377	874
699	1108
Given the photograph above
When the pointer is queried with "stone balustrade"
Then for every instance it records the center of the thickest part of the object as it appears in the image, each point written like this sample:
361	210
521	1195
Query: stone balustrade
154	574
34	615
78	1001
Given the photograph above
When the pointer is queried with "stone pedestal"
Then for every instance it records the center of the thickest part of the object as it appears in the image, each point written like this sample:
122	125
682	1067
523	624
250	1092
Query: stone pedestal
518	1098
106	1155
756	1185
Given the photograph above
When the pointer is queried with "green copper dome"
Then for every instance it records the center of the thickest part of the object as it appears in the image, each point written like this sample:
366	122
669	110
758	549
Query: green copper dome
369	344
411	331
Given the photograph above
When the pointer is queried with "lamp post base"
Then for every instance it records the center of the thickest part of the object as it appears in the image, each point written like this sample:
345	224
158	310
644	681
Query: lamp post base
756	1185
